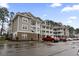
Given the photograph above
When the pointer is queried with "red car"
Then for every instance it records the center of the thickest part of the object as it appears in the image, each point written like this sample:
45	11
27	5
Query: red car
48	38
63	39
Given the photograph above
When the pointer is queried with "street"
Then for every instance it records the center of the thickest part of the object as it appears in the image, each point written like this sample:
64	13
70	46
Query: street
34	48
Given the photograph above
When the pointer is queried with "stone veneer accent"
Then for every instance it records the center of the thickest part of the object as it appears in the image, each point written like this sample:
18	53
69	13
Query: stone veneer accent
30	36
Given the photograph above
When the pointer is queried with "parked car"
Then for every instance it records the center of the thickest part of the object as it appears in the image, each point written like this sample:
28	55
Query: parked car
56	39
69	39
75	38
48	38
63	39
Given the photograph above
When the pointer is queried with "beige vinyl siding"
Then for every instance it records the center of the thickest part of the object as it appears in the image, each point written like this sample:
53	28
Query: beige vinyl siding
14	25
21	23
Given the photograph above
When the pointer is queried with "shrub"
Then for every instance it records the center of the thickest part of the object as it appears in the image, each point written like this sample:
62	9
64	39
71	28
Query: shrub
2	38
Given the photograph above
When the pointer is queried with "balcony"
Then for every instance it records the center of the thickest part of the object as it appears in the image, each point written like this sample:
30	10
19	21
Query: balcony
33	25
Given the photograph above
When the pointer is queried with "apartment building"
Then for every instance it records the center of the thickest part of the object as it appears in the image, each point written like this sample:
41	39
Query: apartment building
60	31
25	26
46	28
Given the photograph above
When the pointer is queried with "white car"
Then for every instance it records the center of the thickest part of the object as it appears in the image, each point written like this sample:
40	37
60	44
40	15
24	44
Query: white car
75	38
69	39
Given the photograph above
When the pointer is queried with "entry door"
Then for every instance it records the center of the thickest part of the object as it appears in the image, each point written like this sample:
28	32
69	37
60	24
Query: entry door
24	36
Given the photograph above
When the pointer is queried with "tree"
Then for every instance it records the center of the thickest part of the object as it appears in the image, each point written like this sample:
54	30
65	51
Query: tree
71	31
53	23
11	15
77	31
4	13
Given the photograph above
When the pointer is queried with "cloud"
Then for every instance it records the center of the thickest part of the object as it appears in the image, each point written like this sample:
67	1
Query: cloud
4	5
70	8
55	5
71	19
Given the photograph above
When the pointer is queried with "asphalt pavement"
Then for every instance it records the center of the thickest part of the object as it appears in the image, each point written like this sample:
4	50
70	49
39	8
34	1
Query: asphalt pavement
34	48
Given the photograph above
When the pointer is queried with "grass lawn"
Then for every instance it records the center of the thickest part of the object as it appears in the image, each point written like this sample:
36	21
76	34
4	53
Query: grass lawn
2	40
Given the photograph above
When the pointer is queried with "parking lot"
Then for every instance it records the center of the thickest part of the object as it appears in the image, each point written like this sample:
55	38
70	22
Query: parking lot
35	48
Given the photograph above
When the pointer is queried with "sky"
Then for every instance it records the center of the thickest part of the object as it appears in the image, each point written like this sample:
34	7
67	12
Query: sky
66	13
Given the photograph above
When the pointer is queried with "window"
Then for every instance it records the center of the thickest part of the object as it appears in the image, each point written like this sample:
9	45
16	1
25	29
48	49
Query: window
33	28
55	32
50	31
51	28
33	23
43	22
57	29
47	27
24	20
47	31
24	36
43	26
59	32
25	27
43	31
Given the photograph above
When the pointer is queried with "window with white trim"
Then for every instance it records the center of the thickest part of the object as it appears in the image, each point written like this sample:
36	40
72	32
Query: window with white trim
24	27
24	20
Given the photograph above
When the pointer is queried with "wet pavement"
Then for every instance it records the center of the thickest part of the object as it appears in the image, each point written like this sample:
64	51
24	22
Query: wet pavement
35	48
